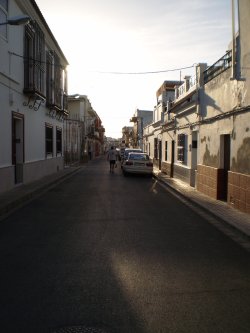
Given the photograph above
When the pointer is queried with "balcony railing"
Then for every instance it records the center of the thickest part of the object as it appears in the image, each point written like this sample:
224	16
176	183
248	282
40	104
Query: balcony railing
186	86
192	81
217	68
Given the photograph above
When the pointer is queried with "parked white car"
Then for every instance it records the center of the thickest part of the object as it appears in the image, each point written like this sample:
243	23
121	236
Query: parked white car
139	163
127	151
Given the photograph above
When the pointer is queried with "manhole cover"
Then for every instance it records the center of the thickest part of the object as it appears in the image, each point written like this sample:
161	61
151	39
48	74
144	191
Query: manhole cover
78	329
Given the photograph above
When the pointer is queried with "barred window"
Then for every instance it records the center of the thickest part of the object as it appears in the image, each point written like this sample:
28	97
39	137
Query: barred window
155	148
49	140
58	82
58	141
166	150
54	81
181	148
49	78
34	59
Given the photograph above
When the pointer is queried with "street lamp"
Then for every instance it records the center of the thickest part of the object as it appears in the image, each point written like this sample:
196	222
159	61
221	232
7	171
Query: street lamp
17	20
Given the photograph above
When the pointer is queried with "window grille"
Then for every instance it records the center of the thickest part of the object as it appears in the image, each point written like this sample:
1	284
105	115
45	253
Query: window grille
49	140
181	148
155	148
58	141
166	150
34	59
49	78
55	82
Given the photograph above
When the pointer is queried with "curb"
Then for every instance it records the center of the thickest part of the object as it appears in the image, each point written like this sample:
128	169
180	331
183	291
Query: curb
223	221
37	188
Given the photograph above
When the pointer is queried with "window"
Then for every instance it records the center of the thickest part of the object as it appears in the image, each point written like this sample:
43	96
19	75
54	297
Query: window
49	78
49	139
181	148
3	17
58	82
55	82
34	59
166	150
58	141
155	148
194	144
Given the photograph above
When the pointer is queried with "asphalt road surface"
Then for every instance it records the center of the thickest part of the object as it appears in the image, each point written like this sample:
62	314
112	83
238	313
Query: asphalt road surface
119	254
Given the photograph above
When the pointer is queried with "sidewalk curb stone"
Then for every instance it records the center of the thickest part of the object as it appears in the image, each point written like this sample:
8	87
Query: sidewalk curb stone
238	221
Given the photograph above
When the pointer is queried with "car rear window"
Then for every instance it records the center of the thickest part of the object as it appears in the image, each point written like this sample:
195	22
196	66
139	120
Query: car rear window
143	157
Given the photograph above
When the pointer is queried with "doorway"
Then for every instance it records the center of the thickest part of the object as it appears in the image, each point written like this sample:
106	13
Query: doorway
172	159
225	165
160	153
18	146
194	158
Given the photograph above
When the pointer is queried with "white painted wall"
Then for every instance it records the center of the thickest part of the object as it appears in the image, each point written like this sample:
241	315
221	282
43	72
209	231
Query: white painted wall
12	100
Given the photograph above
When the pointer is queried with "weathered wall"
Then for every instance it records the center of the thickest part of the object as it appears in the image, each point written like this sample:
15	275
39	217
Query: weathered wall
244	26
240	144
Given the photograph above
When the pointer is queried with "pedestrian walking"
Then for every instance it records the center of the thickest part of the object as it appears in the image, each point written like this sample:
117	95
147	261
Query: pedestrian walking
112	157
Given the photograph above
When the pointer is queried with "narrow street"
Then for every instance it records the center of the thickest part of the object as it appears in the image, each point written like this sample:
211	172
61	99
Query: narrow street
120	254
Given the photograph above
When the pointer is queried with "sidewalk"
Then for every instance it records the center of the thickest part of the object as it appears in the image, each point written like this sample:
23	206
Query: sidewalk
23	193
20	195
219	209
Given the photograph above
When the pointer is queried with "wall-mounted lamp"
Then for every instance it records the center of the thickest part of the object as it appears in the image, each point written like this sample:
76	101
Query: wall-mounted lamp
17	20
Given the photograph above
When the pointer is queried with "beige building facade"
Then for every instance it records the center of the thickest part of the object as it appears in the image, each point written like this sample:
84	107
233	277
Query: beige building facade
204	138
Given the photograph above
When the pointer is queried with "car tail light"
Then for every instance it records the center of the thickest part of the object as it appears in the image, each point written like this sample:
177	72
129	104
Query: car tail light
149	164
128	163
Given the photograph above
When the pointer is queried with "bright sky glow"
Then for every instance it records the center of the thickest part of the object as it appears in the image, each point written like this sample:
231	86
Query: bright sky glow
134	36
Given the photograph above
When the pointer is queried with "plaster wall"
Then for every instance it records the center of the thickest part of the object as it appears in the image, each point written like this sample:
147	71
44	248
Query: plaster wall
210	144
36	165
5	127
11	78
36	170
240	143
244	27
6	178
221	95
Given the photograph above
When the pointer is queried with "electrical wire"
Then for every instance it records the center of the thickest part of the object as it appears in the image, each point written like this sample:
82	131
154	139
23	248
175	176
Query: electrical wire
36	60
106	72
143	73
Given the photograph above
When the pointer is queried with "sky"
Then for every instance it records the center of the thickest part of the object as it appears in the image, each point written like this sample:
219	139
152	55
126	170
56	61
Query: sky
111	45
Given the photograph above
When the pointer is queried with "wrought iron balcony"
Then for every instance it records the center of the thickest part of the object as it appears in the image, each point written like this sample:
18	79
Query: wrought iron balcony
218	67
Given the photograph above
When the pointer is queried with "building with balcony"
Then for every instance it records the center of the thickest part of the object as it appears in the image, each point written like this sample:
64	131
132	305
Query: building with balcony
179	134
127	135
224	137
33	93
204	138
83	131
141	118
152	136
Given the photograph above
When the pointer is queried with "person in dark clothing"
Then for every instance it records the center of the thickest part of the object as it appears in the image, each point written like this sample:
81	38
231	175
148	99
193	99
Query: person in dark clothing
112	157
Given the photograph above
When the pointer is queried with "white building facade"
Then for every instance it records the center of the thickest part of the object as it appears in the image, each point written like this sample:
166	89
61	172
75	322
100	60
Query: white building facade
141	118
33	94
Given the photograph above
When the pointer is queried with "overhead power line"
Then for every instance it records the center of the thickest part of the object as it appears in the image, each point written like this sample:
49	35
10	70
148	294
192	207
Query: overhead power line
148	72
105	72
